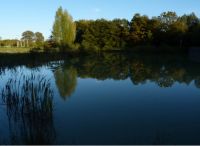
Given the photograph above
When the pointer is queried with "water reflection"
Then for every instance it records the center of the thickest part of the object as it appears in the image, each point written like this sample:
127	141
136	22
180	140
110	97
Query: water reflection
29	107
29	98
66	80
163	70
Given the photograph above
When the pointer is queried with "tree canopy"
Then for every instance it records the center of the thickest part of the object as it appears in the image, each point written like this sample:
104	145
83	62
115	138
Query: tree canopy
39	39
64	29
168	29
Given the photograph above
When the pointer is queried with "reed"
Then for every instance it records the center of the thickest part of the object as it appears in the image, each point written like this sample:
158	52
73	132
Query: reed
29	104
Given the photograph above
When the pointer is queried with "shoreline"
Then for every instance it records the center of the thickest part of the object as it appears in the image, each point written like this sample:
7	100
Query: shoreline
136	49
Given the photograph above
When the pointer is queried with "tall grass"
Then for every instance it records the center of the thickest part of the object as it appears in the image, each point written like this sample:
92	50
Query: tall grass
29	104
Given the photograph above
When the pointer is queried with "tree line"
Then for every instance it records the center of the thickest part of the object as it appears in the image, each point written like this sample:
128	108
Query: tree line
28	39
165	30
168	29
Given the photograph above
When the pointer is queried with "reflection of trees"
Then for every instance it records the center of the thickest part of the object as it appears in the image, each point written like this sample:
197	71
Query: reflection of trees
165	82
29	104
139	72
66	80
164	70
139	68
103	67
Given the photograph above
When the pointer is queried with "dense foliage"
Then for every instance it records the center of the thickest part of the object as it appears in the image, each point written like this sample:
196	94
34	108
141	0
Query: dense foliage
102	34
168	29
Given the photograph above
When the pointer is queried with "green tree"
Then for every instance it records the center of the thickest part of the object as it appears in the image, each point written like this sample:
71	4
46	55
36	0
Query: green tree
82	26
28	38
168	17
39	39
64	30
191	19
192	35
177	32
102	35
154	26
139	31
171	30
121	29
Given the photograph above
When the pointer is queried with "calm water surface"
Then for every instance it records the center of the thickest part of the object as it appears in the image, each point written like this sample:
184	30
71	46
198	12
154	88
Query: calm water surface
99	99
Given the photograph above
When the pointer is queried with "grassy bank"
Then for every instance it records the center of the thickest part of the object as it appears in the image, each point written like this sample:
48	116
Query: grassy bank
14	50
136	49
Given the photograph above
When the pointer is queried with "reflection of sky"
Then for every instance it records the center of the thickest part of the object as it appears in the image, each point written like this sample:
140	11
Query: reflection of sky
123	109
16	74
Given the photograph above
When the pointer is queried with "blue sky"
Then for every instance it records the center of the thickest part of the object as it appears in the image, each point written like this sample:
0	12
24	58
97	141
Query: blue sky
38	15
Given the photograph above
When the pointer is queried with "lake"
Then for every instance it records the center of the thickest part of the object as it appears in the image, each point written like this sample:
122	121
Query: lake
99	99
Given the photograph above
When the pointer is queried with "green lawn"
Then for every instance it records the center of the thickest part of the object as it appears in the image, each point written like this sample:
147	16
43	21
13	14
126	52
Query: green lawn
14	50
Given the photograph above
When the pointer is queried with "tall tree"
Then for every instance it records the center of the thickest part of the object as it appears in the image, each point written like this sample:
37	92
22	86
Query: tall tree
121	29
177	32
166	19
82	26
64	29
102	34
190	19
28	37
139	32
39	39
192	35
